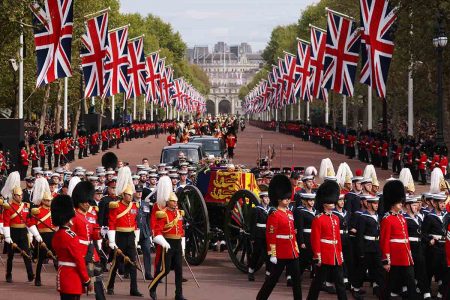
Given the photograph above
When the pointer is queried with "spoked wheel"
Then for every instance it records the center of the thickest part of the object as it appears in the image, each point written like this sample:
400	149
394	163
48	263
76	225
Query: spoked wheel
237	227
190	200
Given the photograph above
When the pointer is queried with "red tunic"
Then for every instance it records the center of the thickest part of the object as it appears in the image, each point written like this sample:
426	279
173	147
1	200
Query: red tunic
169	223
443	164
231	141
82	226
24	157
326	239
171	140
15	214
42	218
281	235
394	241
423	162
41	150
56	147
33	152
72	272
122	217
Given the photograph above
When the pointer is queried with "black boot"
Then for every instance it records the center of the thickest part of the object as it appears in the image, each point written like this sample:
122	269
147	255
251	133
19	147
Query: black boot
153	295
37	281
251	277
136	293
9	278
110	291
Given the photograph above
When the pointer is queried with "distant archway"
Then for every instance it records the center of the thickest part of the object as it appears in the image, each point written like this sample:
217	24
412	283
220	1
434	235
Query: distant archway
210	107
224	107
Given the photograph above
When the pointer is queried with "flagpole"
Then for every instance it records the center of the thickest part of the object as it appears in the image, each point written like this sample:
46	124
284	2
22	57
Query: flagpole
344	111
299	111
97	13
327	112
151	111
21	75
92	101
369	108
339	14
66	85
144	112
112	107
134	108
307	111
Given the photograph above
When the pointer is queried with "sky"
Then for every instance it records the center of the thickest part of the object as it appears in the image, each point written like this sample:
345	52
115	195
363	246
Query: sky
205	22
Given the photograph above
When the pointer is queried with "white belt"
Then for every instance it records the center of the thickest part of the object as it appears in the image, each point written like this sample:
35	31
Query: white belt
371	238
66	264
437	237
343	231
332	242
284	236
307	230
84	242
401	241
261	225
413	239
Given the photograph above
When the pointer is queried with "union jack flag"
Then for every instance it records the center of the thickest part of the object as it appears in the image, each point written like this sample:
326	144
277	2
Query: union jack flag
302	71
93	53
341	54
137	73
377	18
116	62
53	39
178	93
153	77
318	44
164	99
279	100
289	77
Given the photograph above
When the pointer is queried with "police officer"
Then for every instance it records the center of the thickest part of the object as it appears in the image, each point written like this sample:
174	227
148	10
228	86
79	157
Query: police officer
303	216
258	235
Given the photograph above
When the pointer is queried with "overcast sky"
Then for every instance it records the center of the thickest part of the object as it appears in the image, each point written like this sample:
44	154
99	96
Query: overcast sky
204	22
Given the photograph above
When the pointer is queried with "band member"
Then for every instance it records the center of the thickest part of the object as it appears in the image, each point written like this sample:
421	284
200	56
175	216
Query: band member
326	242
281	239
303	216
394	241
15	215
123	233
258	235
72	277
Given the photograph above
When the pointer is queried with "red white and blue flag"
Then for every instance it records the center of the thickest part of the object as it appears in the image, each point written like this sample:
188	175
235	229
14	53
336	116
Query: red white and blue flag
93	53
341	54
137	74
53	39
318	44
116	62
153	77
289	77
302	71
377	19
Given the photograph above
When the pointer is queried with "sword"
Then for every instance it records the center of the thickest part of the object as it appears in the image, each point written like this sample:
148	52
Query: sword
49	252
127	260
110	264
140	264
22	252
40	221
189	267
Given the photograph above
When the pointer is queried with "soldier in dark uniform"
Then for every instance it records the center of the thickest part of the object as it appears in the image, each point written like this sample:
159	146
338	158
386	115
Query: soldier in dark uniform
347	250
368	246
143	223
303	216
258	235
434	238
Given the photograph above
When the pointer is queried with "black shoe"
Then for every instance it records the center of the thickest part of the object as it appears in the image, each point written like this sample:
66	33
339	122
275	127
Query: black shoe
37	282
9	278
30	278
357	295
136	293
126	276
376	291
289	282
153	295
148	277
184	279
110	292
251	277
180	298
328	289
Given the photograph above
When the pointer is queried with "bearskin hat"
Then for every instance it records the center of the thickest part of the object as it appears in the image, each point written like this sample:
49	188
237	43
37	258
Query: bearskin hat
328	193
393	193
279	188
62	210
109	160
82	193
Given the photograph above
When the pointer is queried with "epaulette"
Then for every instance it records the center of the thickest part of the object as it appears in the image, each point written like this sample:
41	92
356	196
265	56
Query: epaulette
161	214
182	212
1	201
95	207
35	211
6	205
138	204
114	204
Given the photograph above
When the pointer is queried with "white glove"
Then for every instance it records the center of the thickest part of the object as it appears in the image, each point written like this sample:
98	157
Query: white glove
160	240
183	245
273	259
137	234
99	245
34	231
104	231
112	239
7	232
1	228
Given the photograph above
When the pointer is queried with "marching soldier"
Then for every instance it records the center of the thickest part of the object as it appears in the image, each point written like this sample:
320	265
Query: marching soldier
56	149
281	239
34	156
72	277
258	235
24	160
326	242
303	216
347	250
143	223
123	233
394	241
422	166
41	147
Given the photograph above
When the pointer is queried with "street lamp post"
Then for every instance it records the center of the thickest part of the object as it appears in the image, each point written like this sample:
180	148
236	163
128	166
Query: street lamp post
439	42
81	127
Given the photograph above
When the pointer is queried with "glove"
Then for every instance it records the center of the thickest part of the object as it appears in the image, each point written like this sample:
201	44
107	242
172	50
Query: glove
99	245
137	234
34	231
7	232
183	245
273	259
112	239
104	231
160	240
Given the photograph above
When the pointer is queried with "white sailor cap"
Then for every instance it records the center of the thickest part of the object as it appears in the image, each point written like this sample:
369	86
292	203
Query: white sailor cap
110	173
309	177
440	197
330	178
135	177
92	178
357	178
89	173
370	198
153	175
140	173
366	180
101	174
263	194
307	196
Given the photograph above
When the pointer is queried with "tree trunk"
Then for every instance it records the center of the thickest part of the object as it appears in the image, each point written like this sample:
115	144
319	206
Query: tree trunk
44	110
58	106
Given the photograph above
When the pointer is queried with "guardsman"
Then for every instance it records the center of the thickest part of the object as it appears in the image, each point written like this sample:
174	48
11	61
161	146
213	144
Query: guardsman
72	277
34	156
24	160
443	164
42	226
396	157
326	242
414	224
231	141
303	216
81	146
15	214
422	166
368	247
171	139
394	241
347	250
104	139
258	235
434	238
168	233
57	149
281	240
123	233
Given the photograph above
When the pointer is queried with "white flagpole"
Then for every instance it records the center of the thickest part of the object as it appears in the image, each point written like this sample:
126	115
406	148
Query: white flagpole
66	85
410	101
112	107
327	112
134	108
92	101
369	108
144	113
151	111
307	111
21	76
344	111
